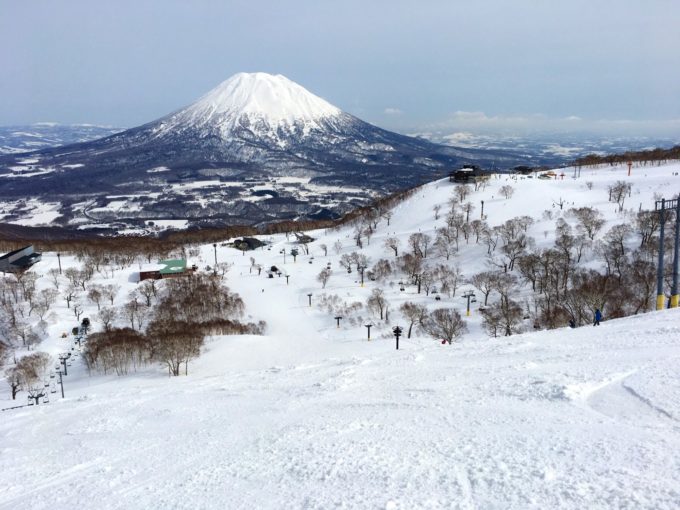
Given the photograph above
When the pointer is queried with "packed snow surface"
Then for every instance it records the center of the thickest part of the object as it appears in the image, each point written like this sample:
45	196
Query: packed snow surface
311	415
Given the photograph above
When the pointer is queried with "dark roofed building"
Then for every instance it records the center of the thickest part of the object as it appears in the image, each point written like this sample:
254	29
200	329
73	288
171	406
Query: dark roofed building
164	269
19	260
468	173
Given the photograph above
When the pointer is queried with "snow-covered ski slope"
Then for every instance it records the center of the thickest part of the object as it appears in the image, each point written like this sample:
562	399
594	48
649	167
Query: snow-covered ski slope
314	416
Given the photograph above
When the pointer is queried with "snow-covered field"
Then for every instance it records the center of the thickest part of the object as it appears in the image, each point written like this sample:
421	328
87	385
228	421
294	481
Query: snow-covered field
312	415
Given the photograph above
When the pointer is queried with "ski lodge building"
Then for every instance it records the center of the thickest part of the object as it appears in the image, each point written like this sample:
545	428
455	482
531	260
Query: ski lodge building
19	260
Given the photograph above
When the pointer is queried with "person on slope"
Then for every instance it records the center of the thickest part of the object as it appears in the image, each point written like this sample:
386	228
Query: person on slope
598	317
572	323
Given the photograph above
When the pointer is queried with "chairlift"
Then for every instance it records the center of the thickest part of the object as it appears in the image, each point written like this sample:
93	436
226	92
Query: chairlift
51	375
46	399
30	401
53	389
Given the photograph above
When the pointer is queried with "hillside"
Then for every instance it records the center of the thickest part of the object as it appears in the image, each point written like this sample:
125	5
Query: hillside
314	415
258	148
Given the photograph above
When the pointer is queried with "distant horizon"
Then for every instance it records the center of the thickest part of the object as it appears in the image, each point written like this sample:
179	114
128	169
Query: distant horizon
606	67
476	123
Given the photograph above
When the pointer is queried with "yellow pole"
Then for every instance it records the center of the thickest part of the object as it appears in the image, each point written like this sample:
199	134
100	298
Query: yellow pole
674	300
660	301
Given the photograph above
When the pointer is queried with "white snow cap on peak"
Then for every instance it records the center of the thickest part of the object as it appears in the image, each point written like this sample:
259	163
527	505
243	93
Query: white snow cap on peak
274	98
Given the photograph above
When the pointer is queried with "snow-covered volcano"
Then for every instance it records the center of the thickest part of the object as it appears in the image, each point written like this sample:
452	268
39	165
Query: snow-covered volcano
252	127
244	99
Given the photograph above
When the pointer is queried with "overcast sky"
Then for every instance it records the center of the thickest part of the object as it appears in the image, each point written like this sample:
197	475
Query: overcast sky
476	65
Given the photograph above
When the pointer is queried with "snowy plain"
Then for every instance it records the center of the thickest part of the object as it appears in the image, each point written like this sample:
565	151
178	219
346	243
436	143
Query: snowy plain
311	415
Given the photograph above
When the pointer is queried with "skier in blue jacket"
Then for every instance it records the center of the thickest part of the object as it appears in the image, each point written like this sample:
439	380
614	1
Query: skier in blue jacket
598	317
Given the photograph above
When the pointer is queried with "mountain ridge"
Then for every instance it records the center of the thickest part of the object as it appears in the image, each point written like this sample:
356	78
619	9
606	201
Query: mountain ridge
251	126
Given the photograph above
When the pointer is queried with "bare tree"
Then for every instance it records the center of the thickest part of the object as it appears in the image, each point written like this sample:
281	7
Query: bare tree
618	192
505	316
381	269
45	299
410	264
33	371
94	294
448	277
418	243
14	380
110	292
324	276
377	302
176	347
54	277
485	282
445	323
77	309
70	293
393	244
222	268
507	191
147	289
415	313
467	209
436	210
590	220
461	192
477	227
107	315
445	242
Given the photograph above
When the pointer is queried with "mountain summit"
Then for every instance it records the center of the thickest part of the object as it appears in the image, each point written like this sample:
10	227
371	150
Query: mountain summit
251	98
268	107
252	127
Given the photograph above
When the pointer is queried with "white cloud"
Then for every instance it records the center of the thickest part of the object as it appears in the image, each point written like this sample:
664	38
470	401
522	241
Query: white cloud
392	111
